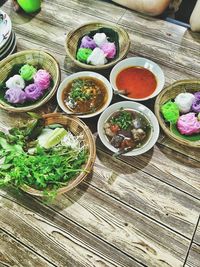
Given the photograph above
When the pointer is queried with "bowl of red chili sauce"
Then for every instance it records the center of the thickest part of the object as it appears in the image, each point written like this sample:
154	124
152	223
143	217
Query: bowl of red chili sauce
137	78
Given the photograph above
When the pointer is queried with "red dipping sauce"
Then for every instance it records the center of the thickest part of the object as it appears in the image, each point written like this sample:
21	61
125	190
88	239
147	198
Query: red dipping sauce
138	82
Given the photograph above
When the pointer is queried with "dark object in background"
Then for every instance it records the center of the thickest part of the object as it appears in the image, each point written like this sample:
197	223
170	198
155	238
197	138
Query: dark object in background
185	10
16	7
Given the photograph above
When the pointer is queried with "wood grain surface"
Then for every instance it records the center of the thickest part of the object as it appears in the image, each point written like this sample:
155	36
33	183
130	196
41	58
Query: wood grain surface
14	253
197	235
194	256
132	212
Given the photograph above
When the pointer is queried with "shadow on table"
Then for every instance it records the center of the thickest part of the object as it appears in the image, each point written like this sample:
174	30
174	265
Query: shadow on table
180	154
195	36
20	17
70	198
42	205
2	2
107	160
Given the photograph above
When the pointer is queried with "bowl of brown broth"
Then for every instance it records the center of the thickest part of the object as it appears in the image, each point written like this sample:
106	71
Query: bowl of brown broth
128	125
85	94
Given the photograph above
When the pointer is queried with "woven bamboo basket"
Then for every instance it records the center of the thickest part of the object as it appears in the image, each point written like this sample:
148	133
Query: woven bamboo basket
170	92
74	36
35	58
76	126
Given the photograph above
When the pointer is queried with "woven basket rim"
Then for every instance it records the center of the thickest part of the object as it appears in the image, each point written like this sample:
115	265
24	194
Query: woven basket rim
9	59
165	128
88	166
101	67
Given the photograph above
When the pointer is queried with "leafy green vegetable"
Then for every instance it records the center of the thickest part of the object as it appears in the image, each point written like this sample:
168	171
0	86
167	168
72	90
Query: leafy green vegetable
46	169
123	120
42	169
80	90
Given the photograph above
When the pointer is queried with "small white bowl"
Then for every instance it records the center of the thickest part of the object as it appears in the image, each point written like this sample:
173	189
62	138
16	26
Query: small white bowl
5	28
138	62
134	106
82	74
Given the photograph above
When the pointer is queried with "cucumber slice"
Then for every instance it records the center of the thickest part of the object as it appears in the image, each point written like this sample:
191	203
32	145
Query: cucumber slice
55	137
43	137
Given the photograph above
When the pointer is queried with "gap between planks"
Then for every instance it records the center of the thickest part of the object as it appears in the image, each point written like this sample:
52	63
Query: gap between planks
154	177
35	252
48	221
192	241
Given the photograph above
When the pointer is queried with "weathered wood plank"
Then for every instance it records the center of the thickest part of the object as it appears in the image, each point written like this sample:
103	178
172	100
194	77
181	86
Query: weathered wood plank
67	19
162	52
96	9
13	253
193	259
134	187
168	166
25	204
197	235
129	231
62	248
162	30
101	9
190	152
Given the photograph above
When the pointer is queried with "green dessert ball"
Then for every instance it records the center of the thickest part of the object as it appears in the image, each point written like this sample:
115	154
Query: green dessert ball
27	72
83	54
170	111
30	6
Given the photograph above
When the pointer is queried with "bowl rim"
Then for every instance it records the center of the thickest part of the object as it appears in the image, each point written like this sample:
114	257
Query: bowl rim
9	59
88	165
136	107
119	66
163	125
100	67
85	74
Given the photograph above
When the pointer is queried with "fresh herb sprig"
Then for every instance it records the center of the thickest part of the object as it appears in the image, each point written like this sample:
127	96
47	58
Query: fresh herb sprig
80	90
45	169
123	120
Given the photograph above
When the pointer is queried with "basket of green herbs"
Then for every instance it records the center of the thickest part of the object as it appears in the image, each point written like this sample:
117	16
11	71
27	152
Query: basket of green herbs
48	156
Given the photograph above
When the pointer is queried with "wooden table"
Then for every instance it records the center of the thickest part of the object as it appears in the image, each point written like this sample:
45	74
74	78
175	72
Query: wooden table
132	212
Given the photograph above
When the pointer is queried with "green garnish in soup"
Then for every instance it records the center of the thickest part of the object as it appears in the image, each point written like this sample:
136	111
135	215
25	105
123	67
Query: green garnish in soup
81	90
86	94
127	129
123	120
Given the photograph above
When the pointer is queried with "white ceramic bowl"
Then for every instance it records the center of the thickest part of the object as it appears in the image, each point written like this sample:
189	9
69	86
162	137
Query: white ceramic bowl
138	62
82	74
130	105
5	28
11	47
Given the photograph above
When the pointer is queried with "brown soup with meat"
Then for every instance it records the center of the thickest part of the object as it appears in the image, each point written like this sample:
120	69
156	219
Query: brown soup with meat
86	94
127	129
